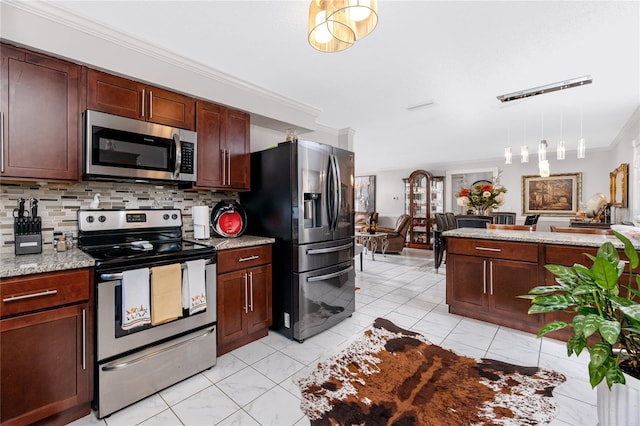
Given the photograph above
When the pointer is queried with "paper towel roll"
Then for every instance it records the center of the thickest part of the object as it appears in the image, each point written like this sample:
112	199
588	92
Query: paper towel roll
200	222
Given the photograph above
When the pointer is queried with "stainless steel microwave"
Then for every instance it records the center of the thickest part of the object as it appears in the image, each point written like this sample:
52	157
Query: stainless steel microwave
120	148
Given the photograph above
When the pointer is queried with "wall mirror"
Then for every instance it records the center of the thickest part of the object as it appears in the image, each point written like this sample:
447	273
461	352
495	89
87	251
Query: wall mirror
618	185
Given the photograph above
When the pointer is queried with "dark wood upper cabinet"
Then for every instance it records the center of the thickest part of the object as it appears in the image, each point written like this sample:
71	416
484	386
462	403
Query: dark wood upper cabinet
223	148
40	129
120	96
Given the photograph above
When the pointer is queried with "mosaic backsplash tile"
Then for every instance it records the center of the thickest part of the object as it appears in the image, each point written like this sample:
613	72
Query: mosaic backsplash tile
58	204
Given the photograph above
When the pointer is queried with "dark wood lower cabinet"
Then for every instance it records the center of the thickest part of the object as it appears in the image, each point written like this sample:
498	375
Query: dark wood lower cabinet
46	357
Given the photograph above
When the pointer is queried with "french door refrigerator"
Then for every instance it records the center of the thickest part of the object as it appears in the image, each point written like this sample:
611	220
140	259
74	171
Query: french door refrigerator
302	195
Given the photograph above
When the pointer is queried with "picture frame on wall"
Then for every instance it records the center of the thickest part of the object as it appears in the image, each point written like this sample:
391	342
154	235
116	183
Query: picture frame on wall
556	195
365	194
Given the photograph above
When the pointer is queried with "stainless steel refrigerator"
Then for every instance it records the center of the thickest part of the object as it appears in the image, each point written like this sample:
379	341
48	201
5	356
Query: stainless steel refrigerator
302	195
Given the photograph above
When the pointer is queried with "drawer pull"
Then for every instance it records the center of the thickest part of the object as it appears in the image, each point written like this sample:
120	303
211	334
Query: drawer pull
488	249
245	259
30	296
330	249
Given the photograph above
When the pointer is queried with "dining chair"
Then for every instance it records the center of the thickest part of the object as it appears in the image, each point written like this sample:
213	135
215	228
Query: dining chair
507	218
451	220
567	230
511	227
473	221
439	241
531	219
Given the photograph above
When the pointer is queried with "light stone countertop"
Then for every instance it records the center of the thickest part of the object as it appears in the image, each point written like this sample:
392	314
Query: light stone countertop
587	240
231	243
47	261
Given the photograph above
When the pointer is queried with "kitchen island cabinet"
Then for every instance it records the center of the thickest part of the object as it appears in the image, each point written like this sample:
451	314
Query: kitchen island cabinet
244	300
47	347
488	269
128	98
223	148
40	127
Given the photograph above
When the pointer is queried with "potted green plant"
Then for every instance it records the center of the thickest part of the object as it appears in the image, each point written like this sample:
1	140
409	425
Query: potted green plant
606	321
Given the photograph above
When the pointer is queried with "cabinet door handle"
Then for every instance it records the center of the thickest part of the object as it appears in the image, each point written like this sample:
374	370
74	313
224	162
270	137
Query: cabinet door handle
1	142
245	259
229	167
488	249
224	166
484	277
30	296
150	104
246	296
251	289
84	339
143	101
491	278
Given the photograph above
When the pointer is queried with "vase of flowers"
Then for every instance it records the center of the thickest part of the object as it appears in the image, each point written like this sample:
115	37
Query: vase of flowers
481	198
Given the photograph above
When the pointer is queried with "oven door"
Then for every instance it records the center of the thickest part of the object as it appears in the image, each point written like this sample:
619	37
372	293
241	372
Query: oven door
112	340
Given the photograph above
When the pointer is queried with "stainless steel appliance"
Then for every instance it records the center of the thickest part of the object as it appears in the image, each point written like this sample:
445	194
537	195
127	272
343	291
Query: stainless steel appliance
126	149
302	195
134	363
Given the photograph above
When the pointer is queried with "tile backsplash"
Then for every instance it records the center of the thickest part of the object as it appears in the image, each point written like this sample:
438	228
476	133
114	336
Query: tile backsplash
58	204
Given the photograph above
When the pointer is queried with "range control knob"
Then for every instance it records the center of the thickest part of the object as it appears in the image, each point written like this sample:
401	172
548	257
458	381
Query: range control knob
90	219
174	216
102	218
165	216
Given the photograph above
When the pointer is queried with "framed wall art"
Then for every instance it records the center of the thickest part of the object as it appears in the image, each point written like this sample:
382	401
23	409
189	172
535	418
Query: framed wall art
365	194
556	195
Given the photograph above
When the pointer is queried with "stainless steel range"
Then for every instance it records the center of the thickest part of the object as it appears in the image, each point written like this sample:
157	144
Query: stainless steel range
142	267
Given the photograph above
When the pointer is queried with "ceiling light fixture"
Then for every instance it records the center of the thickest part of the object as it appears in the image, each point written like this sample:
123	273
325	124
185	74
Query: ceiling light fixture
561	85
582	146
524	154
543	163
335	25
560	150
507	155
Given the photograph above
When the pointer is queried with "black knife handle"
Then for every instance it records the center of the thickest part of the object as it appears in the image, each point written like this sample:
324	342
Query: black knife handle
33	206
20	207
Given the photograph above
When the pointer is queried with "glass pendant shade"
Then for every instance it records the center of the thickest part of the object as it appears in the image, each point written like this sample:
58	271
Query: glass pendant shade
524	154
327	35
361	16
582	148
507	155
560	151
542	151
544	168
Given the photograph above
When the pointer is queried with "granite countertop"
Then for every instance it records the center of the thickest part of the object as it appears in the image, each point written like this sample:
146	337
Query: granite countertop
587	240
47	261
231	243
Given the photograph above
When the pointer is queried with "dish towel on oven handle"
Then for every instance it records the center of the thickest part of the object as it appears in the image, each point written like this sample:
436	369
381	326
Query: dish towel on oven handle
166	293
194	294
135	298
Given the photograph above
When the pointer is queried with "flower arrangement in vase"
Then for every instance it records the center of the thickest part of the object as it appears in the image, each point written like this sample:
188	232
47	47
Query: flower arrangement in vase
482	197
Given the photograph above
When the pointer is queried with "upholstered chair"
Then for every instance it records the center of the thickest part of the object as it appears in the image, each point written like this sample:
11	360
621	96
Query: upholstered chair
397	235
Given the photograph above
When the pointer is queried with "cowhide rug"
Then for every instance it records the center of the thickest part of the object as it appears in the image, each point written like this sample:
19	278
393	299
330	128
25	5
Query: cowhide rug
392	376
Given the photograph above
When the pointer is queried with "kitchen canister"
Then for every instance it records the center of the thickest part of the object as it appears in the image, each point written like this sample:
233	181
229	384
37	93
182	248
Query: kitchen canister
200	222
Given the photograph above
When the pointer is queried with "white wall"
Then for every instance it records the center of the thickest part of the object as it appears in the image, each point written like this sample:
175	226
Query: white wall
622	152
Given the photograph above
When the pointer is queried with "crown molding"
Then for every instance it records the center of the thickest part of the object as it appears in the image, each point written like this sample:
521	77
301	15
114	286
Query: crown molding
66	18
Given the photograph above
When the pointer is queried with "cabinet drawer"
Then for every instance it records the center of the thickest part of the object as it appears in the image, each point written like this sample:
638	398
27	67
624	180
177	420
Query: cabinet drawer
234	259
30	293
494	249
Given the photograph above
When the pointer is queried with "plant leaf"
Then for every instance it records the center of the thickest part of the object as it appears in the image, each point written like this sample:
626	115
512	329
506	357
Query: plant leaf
614	375
605	273
576	344
629	250
546	289
591	324
552	326
578	324
608	252
596	374
553	300
542	309
599	353
610	330
632	311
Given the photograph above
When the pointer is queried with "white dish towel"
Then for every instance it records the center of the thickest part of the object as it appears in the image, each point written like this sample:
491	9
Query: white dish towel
194	294
135	298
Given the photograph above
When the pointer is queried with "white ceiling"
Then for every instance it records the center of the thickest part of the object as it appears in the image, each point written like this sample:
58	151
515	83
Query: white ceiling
460	55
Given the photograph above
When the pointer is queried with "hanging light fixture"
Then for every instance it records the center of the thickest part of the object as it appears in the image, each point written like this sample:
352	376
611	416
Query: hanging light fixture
582	146
361	16
507	155
327	35
560	147
524	154
543	163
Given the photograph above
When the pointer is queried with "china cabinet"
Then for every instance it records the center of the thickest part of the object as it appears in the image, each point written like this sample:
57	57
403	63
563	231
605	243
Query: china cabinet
418	203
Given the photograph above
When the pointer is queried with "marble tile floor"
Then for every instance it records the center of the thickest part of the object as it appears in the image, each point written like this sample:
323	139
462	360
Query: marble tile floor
253	384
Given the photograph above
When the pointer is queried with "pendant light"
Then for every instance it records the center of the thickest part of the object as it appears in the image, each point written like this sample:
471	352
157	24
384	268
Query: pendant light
524	149
582	148
327	35
361	16
560	150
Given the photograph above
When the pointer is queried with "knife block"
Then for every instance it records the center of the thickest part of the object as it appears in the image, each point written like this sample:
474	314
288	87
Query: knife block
28	235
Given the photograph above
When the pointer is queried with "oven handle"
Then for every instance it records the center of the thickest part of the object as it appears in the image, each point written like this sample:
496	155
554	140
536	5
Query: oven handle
126	364
118	275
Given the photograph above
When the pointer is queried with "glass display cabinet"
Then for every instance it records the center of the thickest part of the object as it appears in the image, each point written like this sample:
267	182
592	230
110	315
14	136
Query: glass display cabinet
418	205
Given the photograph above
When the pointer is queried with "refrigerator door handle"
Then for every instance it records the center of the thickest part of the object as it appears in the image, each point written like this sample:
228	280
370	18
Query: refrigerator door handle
329	249
329	191
338	193
329	276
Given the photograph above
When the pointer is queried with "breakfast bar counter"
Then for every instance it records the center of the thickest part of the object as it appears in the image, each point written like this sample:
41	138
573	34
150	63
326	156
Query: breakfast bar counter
488	269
